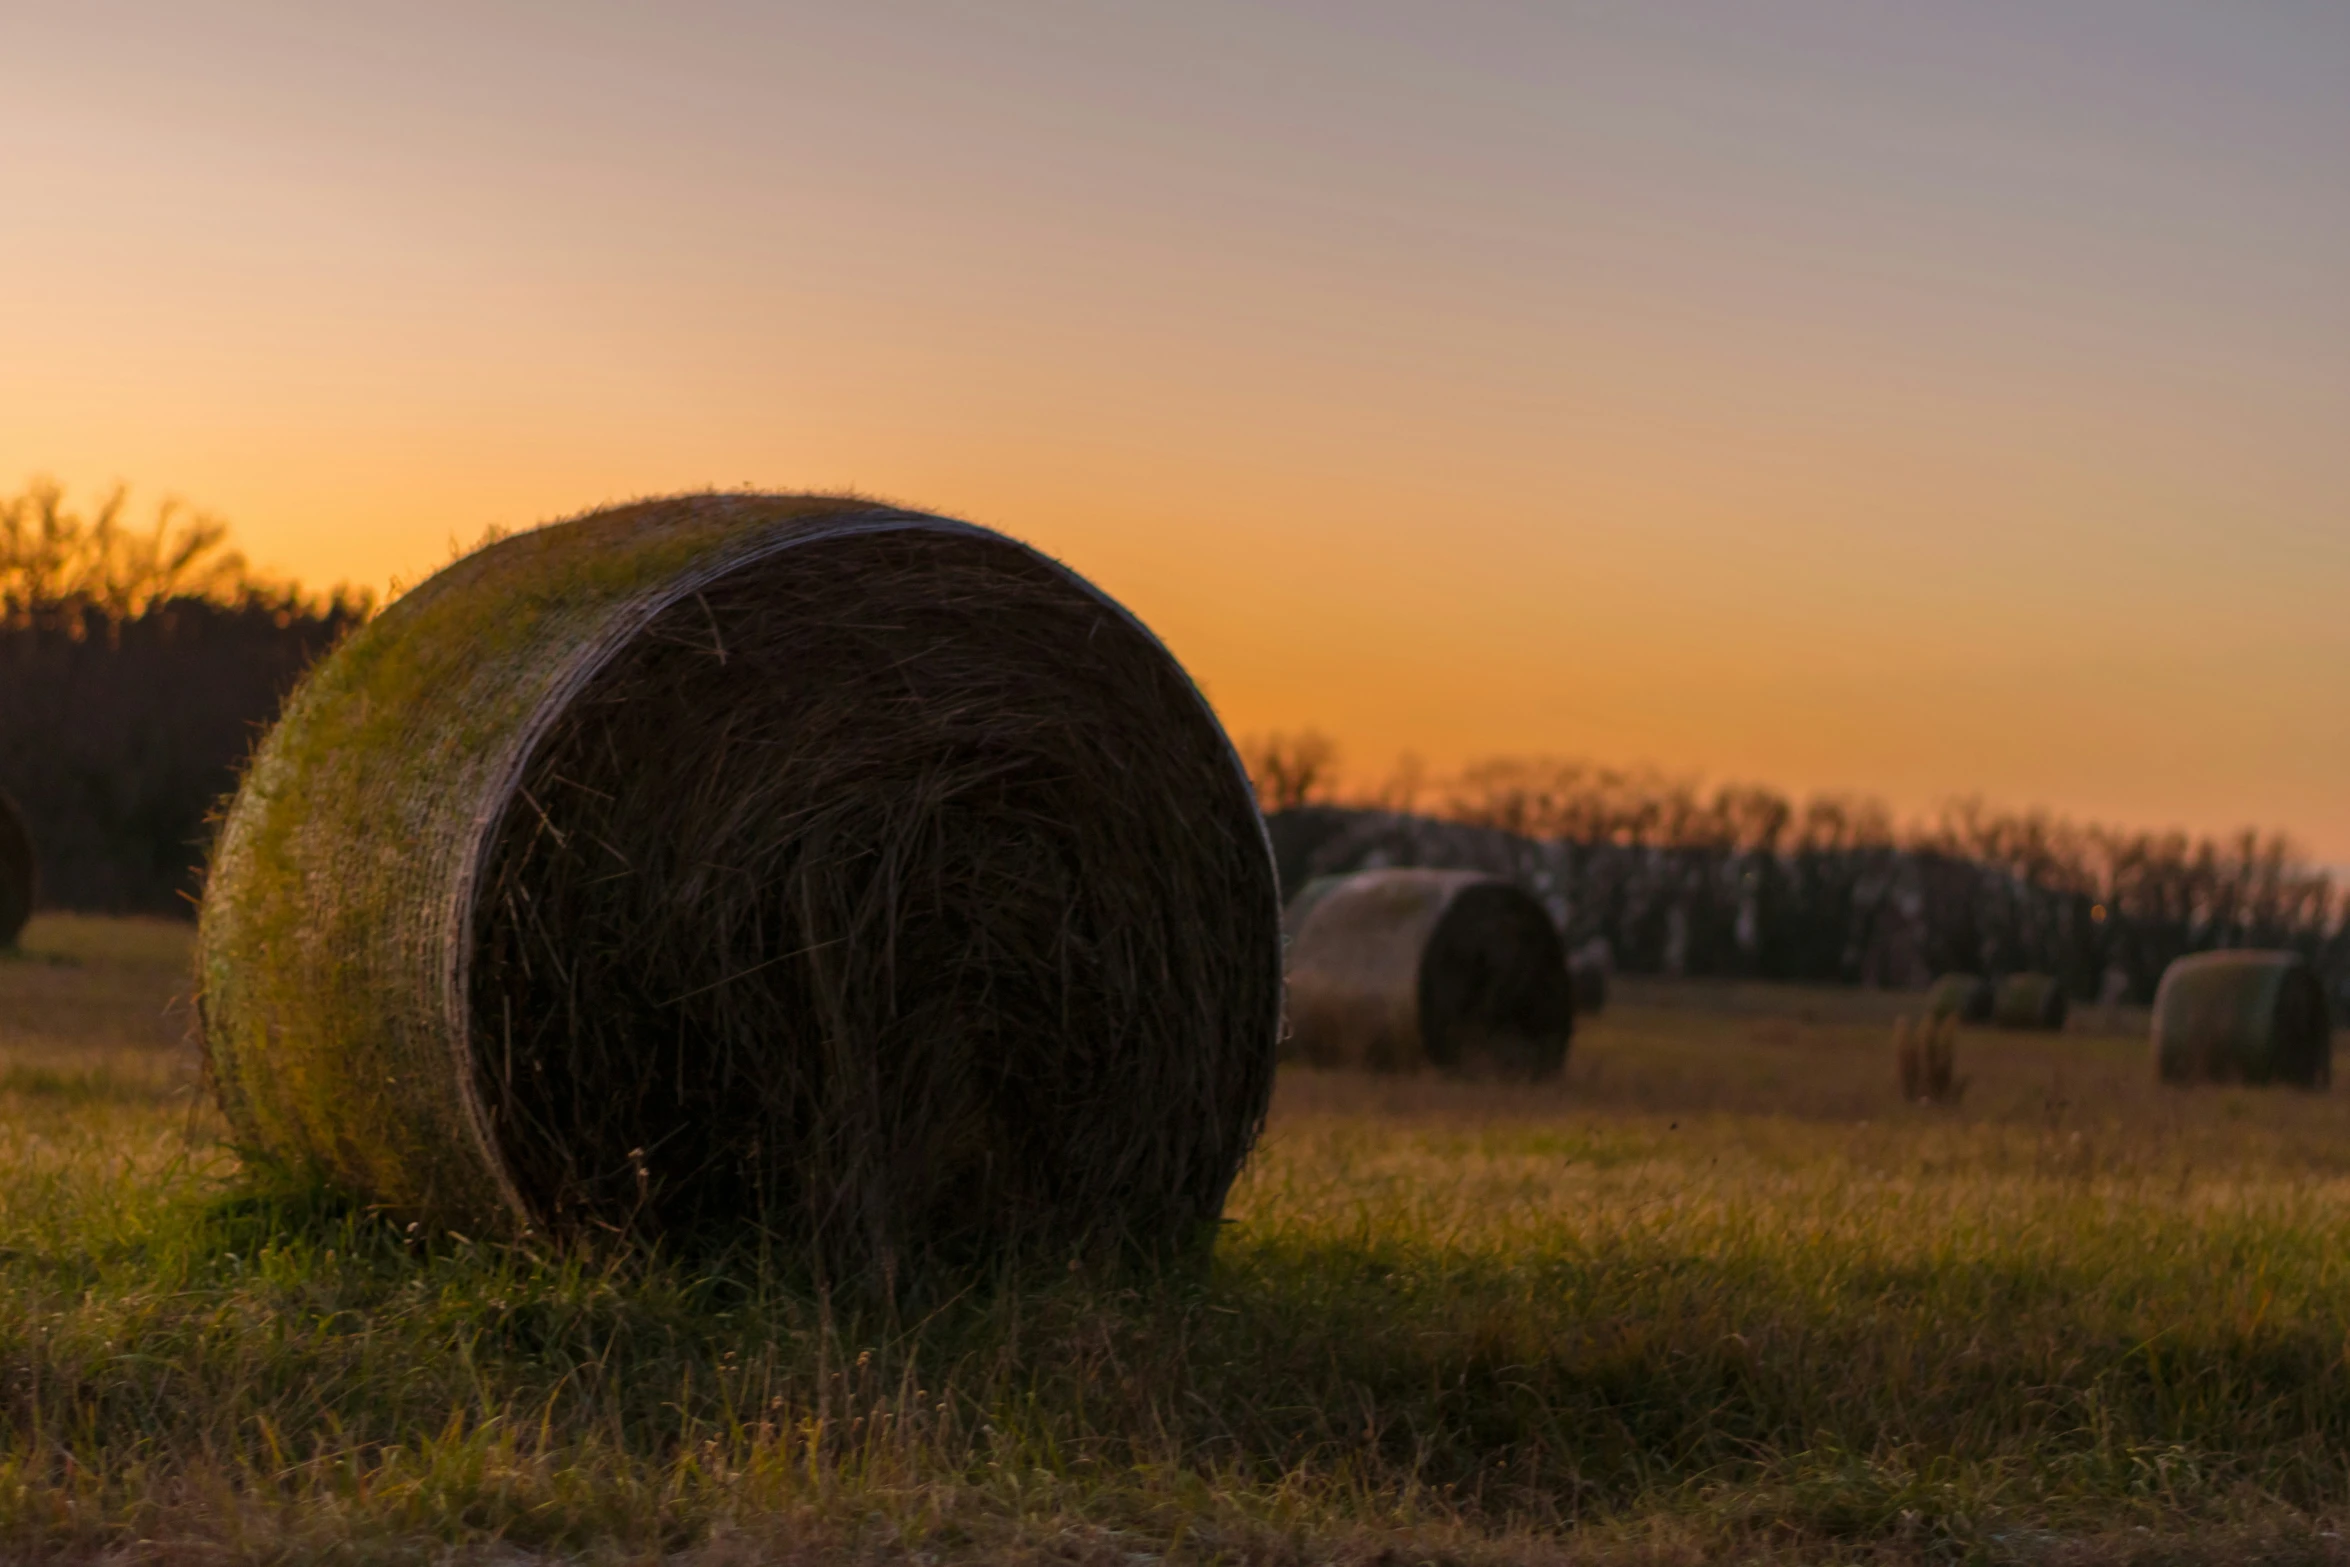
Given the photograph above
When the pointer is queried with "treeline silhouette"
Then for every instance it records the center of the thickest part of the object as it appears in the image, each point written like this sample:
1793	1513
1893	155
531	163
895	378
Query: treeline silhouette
138	664
1741	880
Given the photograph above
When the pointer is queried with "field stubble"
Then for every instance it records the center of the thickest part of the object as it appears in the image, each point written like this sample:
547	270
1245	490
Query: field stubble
1716	1293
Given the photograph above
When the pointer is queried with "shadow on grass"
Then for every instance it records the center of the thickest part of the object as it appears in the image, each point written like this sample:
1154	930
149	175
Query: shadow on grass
1912	1403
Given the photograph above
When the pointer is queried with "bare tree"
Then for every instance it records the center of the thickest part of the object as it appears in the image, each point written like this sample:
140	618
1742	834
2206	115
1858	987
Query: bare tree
59	566
1291	769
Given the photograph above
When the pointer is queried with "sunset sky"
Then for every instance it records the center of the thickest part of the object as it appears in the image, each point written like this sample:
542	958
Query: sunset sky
1918	399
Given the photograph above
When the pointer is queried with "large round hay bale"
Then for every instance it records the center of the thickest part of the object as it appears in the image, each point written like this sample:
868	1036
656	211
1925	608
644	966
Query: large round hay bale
1394	970
2242	1017
2029	1001
1967	997
20	880
728	861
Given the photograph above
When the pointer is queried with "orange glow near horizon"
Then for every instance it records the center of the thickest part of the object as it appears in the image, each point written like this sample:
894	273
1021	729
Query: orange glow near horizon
1886	407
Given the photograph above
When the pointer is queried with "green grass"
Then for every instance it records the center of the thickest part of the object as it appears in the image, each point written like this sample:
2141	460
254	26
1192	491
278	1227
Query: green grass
1715	1295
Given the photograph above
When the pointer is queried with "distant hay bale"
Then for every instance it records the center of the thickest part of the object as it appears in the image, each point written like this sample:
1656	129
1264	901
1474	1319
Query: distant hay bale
2242	1017
2029	1001
1926	1060
741	861
1394	970
20	879
1966	997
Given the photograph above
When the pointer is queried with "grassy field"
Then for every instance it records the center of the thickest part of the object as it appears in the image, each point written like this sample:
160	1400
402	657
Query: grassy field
1715	1295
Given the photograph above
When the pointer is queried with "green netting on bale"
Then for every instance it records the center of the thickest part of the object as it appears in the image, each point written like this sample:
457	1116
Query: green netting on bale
787	861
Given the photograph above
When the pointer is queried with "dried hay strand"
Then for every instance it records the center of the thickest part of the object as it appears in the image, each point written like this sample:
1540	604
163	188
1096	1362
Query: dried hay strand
1966	997
2242	1017
1394	970
20	877
719	862
2029	1001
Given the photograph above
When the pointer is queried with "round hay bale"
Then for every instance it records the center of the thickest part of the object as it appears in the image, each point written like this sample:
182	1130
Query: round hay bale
1393	970
1967	997
2242	1017
2029	1001
20	878
725	861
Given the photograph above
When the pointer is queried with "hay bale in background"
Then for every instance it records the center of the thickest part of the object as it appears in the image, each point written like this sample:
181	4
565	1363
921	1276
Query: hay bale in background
1399	969
1966	997
727	860
2242	1017
20	880
2029	1001
1926	1060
